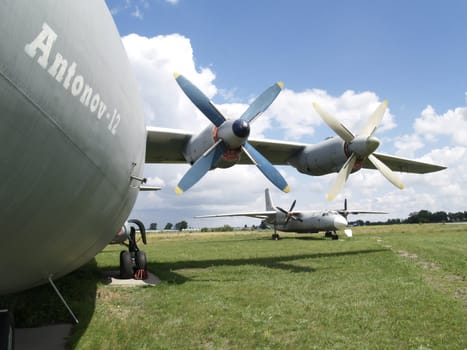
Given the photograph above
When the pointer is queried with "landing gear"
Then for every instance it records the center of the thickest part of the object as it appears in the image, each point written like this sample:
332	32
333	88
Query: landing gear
275	236
126	265
133	262
331	234
7	330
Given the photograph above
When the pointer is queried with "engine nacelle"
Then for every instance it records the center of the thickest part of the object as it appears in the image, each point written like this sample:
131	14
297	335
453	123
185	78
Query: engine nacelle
233	132
323	158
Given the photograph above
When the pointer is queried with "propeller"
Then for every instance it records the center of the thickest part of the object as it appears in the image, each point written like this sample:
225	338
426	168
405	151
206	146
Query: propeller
360	146
289	214
229	135
344	212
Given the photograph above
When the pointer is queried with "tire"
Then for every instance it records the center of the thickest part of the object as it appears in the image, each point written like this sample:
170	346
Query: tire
126	265
141	261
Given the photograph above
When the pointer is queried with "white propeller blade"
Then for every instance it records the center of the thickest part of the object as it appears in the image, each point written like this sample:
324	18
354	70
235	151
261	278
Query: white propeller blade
388	173
374	120
342	177
334	124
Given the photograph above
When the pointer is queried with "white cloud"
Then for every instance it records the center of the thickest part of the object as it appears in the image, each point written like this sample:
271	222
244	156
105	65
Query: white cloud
154	61
137	13
452	124
241	188
408	145
296	115
136	8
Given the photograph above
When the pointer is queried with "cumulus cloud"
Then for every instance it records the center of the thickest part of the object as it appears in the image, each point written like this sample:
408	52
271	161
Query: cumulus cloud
241	188
296	116
408	145
452	124
154	62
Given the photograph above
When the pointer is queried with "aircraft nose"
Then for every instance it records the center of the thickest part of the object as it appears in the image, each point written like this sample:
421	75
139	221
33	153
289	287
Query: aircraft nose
340	222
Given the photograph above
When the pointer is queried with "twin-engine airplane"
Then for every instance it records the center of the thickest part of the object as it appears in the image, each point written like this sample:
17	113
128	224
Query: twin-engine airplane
329	221
74	141
220	146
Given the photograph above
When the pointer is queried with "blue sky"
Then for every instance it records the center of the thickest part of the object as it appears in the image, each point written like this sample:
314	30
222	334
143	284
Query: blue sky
356	54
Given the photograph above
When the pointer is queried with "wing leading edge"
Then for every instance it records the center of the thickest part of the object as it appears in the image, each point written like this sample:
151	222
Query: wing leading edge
257	214
403	164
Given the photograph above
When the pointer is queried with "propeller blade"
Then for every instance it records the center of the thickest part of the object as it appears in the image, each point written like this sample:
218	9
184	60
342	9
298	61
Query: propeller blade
344	212
388	173
200	168
282	210
374	120
266	167
334	124
293	205
289	213
262	102
342	176
200	100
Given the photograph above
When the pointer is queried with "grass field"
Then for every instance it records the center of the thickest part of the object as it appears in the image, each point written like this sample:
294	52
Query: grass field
388	287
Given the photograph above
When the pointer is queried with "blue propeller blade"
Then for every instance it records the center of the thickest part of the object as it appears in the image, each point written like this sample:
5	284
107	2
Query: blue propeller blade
266	167
200	100
200	168
262	102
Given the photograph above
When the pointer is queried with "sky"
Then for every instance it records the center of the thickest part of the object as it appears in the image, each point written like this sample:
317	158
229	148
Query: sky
348	56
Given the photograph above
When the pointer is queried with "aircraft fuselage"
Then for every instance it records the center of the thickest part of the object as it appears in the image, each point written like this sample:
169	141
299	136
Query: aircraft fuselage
73	134
312	222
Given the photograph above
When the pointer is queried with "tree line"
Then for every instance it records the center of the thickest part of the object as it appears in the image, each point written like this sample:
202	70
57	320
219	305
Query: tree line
421	217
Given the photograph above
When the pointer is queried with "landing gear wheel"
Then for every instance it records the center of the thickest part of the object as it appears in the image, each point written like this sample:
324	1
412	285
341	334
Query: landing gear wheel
275	236
141	272
126	265
140	260
335	237
328	234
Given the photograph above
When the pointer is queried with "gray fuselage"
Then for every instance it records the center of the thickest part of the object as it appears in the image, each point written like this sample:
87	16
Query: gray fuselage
312	222
72	134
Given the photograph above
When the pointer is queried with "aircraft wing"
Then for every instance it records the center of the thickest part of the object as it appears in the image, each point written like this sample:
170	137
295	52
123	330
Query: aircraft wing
164	145
277	152
403	164
356	212
257	214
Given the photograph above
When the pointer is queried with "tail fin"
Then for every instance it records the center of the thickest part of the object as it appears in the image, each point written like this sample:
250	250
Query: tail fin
269	205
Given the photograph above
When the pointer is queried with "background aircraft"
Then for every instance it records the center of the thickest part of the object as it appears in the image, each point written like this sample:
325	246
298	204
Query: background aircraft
329	221
346	154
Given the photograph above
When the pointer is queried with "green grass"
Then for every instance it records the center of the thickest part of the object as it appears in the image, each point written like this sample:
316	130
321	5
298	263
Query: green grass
389	287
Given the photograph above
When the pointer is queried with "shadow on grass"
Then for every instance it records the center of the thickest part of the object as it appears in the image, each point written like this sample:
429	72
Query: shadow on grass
41	306
305	238
167	271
